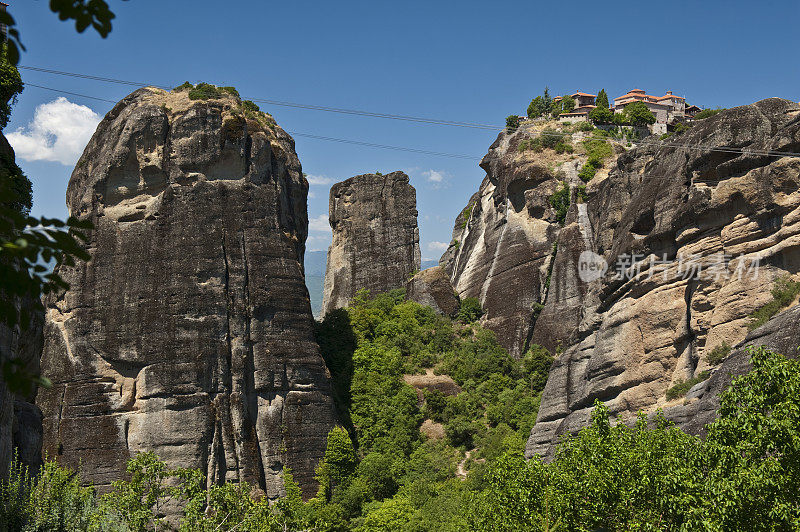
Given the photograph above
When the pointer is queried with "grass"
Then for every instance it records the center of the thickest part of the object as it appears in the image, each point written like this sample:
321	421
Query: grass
718	354
683	387
784	291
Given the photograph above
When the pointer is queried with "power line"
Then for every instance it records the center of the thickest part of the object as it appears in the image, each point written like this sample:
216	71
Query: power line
299	134
356	112
312	107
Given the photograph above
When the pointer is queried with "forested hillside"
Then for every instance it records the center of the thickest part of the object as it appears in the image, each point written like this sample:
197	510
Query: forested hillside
446	452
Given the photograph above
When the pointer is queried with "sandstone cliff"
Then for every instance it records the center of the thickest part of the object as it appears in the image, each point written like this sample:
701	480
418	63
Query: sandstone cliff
189	333
504	241
375	237
689	226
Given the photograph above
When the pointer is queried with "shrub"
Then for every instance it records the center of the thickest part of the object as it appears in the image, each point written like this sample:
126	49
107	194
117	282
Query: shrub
550	138
718	354
706	113
589	169
185	86
783	293
682	387
559	201
563	147
585	126
469	310
206	91
512	122
601	115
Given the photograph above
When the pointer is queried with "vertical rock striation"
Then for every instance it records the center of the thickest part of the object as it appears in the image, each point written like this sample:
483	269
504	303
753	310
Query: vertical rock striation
189	333
375	237
503	241
703	233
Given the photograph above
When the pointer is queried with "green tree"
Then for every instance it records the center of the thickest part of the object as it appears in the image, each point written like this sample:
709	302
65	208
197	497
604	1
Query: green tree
638	114
512	122
601	115
537	107
602	99
339	463
567	104
469	310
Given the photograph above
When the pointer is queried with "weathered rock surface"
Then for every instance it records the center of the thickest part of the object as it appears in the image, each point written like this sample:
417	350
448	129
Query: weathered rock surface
432	287
781	334
676	210
502	250
189	333
20	419
375	237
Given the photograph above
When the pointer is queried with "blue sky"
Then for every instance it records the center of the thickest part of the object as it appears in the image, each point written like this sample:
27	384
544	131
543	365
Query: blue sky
464	61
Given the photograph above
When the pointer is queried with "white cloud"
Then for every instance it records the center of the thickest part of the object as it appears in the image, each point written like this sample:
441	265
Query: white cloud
319	224
311	194
318	243
318	180
434	176
58	132
437	246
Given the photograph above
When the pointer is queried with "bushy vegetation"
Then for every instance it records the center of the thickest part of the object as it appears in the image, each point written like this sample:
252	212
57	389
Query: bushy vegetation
637	114
642	475
597	150
718	354
206	91
744	476
550	139
512	122
706	113
681	388
784	291
559	201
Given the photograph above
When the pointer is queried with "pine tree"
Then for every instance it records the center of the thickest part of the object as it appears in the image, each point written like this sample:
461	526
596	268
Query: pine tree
602	99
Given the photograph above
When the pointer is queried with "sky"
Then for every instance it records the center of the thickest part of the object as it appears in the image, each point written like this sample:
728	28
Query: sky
463	61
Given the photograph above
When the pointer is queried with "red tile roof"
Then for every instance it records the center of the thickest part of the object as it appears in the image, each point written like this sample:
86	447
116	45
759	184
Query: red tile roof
579	93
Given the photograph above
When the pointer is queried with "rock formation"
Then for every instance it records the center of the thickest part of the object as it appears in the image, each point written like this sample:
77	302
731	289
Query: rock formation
781	334
432	287
504	240
695	238
189	332
375	237
20	419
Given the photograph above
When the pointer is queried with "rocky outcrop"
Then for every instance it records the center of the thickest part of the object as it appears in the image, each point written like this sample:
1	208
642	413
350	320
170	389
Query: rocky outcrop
432	287
781	334
189	333
695	237
504	240
20	348
375	237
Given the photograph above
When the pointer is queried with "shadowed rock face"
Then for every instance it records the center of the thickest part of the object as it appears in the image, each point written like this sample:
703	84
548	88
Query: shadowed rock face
20	419
432	287
641	334
502	247
189	333
375	237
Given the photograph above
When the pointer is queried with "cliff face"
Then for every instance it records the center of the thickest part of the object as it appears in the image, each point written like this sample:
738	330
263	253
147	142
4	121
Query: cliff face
189	333
504	240
375	237
707	233
20	419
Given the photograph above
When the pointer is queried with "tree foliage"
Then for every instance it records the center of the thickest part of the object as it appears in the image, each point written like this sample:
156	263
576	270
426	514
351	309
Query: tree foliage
638	114
602	99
